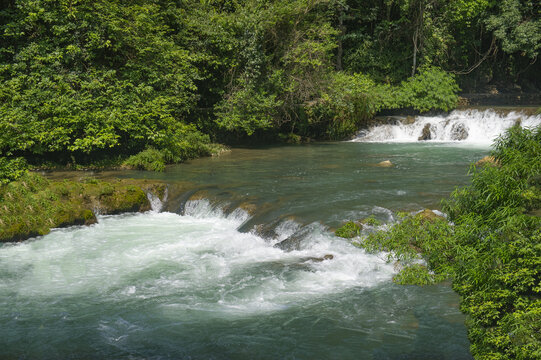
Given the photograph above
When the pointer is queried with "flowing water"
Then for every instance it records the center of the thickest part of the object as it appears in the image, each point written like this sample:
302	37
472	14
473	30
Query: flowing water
237	264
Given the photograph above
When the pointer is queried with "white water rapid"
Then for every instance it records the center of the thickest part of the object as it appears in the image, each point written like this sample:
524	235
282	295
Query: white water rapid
199	259
465	126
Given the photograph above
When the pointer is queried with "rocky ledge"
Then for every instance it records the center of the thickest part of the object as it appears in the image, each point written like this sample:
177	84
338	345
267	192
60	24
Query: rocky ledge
33	205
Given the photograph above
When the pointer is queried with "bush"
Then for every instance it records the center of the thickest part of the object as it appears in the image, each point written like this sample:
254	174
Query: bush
348	101
492	251
11	169
431	89
348	230
149	159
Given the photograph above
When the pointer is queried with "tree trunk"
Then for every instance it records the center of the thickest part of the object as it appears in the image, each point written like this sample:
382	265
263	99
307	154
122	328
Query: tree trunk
415	38
342	33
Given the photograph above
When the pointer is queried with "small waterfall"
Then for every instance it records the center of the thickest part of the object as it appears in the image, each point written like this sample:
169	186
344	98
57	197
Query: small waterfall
156	204
468	126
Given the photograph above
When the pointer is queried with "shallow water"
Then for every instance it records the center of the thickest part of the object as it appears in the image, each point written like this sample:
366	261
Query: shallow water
205	280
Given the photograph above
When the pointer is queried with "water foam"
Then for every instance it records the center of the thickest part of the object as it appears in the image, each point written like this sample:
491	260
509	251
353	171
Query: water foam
199	261
464	126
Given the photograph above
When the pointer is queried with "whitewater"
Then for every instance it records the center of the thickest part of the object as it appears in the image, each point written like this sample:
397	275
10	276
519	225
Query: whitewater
472	126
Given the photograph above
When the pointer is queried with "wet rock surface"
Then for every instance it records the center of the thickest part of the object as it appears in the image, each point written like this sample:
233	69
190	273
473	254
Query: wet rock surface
425	134
459	132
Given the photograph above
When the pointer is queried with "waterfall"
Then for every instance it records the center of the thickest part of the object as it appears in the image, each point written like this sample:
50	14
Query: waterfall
468	126
156	204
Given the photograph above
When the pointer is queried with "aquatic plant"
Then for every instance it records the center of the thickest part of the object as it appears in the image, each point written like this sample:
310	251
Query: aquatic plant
348	230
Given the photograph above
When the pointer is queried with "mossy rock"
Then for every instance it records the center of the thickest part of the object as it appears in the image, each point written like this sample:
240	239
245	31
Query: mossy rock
425	133
32	206
349	230
428	215
126	199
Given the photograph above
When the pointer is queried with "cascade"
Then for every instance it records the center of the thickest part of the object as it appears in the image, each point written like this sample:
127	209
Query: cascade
468	126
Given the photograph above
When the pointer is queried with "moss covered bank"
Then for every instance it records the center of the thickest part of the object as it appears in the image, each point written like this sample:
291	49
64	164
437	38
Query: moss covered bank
33	205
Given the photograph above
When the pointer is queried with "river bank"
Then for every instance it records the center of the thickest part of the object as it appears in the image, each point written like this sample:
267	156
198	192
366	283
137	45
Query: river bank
33	205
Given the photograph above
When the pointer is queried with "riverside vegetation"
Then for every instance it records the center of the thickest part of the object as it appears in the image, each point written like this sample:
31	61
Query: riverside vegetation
33	205
146	83
489	247
86	82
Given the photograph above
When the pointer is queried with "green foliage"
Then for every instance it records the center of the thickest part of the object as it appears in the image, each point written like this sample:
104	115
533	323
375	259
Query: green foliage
11	169
371	221
431	89
89	77
348	101
149	159
491	250
32	205
416	274
247	110
518	26
415	235
348	230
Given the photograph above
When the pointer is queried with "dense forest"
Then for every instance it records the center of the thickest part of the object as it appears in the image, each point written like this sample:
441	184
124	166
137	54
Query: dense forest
83	81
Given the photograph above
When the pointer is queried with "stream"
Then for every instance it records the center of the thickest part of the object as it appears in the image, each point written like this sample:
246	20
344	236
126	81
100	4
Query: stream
234	263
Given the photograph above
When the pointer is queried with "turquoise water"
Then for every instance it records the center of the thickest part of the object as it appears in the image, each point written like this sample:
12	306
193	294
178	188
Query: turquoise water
204	280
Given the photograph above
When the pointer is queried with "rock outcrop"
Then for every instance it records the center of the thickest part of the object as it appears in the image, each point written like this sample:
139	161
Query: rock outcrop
425	134
459	132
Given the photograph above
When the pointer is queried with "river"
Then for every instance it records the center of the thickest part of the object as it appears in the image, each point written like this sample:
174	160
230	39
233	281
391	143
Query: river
233	265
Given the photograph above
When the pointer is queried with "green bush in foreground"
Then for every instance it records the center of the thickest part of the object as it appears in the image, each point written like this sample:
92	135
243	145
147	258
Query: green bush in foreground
491	250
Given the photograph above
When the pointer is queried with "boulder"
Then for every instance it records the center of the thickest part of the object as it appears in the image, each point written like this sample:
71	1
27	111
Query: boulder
425	134
459	132
408	120
428	215
320	259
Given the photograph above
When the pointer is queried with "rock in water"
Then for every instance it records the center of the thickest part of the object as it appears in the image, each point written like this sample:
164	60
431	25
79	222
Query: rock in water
428	215
386	163
320	259
425	135
459	132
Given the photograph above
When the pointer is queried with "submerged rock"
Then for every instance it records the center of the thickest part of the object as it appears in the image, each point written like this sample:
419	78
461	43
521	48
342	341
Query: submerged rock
425	134
459	132
292	243
320	259
295	241
386	163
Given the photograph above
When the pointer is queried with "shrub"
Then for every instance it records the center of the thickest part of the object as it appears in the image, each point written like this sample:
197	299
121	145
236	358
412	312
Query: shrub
492	251
11	169
431	89
348	230
149	159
